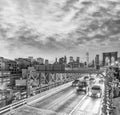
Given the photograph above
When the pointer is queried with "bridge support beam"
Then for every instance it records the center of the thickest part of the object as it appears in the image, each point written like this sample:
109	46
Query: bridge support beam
45	78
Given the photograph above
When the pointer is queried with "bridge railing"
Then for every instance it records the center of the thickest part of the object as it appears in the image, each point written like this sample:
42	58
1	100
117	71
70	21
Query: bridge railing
19	103
12	106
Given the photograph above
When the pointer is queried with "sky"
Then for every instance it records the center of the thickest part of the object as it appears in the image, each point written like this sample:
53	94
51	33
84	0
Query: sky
54	28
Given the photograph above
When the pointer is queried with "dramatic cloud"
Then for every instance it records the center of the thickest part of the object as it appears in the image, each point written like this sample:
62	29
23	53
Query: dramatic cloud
47	26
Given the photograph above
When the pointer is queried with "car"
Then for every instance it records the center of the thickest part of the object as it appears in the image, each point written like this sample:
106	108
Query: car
75	82
101	76
101	80
95	91
86	77
92	80
82	87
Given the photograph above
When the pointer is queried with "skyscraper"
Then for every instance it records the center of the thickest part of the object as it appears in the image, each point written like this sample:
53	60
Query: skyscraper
78	59
97	61
71	59
87	58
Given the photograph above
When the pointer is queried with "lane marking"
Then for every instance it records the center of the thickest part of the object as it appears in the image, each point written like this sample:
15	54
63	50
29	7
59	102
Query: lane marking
50	93
63	98
78	104
46	99
85	104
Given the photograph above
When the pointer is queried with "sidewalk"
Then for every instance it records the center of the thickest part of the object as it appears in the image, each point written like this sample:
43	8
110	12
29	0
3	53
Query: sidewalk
116	103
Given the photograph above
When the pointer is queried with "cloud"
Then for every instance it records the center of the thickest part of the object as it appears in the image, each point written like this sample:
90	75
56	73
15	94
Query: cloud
61	25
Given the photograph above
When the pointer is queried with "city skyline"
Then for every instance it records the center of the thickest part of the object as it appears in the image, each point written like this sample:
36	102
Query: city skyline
64	27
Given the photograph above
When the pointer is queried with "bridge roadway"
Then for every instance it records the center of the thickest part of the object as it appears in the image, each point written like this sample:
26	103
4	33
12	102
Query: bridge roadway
63	102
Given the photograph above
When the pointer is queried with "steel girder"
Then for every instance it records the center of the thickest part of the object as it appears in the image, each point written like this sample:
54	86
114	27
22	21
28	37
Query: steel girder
41	78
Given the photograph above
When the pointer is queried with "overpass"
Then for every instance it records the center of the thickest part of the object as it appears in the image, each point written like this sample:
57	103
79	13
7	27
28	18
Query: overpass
54	81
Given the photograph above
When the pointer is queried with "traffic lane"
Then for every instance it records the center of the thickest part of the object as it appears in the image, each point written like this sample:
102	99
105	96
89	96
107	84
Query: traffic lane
53	98
29	110
68	105
62	103
90	106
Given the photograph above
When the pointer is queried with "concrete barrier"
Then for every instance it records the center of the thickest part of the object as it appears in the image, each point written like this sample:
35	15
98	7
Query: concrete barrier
47	93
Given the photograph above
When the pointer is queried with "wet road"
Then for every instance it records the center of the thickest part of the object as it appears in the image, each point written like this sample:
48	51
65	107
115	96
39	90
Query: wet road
64	102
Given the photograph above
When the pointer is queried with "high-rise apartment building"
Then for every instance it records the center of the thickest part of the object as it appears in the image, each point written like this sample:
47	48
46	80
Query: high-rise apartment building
78	59
71	59
46	62
87	58
40	60
97	62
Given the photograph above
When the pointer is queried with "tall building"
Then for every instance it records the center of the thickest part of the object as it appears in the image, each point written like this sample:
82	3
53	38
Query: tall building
118	59
56	61
97	63
23	63
65	59
8	65
78	59
74	63
87	58
40	60
2	64
46	62
71	59
30	58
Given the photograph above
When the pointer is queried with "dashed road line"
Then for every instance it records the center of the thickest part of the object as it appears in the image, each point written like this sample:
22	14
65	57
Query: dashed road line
78	104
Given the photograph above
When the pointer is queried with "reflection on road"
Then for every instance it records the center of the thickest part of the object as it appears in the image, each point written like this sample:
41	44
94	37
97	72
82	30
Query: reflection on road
65	102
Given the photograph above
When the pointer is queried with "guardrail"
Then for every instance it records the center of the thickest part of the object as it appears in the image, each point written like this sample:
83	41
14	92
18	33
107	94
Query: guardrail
12	106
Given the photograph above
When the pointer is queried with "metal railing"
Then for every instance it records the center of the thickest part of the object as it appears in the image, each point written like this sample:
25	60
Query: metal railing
12	106
19	103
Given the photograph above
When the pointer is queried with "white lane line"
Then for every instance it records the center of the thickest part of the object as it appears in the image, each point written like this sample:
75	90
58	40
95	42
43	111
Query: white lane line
40	110
85	104
78	104
47	95
95	107
59	100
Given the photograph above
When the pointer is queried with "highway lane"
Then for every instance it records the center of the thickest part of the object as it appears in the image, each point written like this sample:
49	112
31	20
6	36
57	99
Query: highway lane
62	102
52	98
90	105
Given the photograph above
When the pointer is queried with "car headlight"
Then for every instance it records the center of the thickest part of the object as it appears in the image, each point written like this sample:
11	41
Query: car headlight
98	94
90	93
77	87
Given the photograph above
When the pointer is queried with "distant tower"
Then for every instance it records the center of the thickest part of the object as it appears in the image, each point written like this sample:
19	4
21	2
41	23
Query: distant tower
65	59
78	59
46	62
87	58
71	59
97	61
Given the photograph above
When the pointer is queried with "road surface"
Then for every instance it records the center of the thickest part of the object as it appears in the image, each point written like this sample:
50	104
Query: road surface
65	102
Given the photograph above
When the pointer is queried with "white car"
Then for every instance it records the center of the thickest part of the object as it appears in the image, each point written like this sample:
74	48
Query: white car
95	91
92	80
